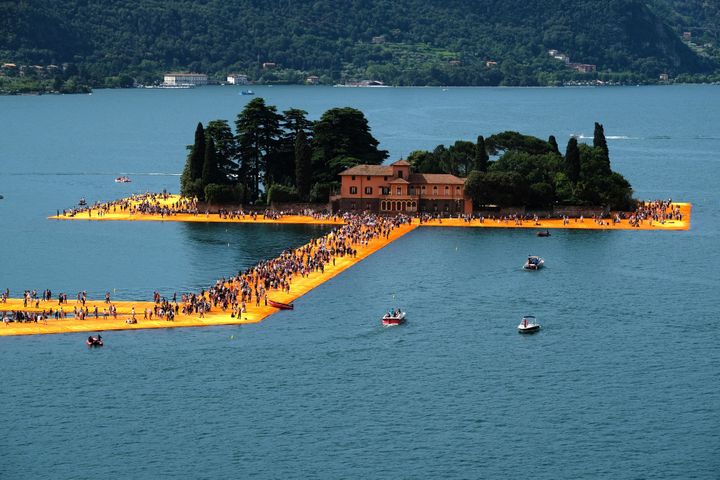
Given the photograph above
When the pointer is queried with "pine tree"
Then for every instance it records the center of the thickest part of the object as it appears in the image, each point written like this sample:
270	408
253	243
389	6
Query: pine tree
572	160
303	165
481	155
553	144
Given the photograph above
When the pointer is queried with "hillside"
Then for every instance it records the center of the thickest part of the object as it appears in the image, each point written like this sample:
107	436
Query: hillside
404	42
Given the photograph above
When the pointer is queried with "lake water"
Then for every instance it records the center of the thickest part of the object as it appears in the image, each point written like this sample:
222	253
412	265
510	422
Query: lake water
621	383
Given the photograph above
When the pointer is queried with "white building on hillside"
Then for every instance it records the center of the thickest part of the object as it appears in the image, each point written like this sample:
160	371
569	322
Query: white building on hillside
185	79
237	79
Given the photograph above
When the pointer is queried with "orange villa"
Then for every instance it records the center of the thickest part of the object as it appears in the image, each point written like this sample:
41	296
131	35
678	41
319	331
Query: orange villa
392	188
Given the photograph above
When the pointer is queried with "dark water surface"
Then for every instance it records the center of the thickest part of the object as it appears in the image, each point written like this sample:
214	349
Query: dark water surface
621	383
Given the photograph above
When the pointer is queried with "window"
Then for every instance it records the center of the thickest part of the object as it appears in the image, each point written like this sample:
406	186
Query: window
457	189
385	178
352	177
368	177
353	190
422	189
368	190
435	190
399	190
400	174
385	190
447	190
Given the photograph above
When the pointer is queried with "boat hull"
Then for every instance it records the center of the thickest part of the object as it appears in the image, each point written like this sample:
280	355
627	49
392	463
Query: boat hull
392	322
529	329
280	305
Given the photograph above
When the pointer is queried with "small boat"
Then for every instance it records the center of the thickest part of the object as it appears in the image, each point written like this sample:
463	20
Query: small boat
247	92
546	233
534	263
280	305
82	202
94	341
393	318
123	179
528	325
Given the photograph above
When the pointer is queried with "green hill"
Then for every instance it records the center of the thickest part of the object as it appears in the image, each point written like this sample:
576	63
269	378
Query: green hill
403	42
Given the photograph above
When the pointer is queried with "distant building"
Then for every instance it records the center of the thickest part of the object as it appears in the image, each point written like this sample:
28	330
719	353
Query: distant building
562	57
185	79
393	188
552	52
312	80
491	63
268	65
380	39
583	67
664	77
237	79
687	36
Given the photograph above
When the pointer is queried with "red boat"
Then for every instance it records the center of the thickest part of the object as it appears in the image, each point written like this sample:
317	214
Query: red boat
393	319
280	305
94	341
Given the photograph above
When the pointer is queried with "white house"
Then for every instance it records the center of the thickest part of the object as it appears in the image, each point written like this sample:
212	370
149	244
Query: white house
237	79
185	79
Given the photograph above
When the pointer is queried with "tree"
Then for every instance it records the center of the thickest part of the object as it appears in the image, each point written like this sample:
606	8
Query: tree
481	155
303	165
226	148
505	141
600	143
194	165
211	172
572	160
258	132
553	144
341	140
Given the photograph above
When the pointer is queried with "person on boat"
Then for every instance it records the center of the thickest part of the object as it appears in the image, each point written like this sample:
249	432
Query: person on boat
91	340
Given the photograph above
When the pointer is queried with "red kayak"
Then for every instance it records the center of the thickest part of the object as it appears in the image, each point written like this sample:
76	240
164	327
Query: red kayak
280	305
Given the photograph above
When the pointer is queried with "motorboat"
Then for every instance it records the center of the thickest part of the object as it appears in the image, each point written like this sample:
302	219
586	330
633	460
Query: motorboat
280	305
123	179
528	324
393	318
82	202
534	263
247	92
94	341
546	233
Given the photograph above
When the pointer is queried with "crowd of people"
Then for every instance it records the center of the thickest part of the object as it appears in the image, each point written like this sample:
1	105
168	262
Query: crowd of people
236	294
659	211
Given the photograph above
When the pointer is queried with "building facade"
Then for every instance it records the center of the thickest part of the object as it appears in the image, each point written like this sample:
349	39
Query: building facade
185	79
393	188
237	79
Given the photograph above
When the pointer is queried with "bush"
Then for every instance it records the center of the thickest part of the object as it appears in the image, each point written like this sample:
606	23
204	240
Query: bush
219	194
281	193
320	192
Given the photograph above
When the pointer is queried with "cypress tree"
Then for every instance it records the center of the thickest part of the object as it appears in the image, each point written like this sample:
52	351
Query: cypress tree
194	163
572	160
303	165
481	155
600	143
553	144
210	170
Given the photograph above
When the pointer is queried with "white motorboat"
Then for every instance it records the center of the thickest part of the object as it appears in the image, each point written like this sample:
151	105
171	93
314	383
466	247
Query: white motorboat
528	324
534	263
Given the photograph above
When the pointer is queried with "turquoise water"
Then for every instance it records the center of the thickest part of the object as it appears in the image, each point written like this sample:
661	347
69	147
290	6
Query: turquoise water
621	383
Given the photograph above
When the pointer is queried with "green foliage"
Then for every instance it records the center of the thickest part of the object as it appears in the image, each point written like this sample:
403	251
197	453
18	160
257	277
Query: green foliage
425	43
191	178
573	166
320	192
481	155
303	165
224	194
211	172
513	141
342	139
281	194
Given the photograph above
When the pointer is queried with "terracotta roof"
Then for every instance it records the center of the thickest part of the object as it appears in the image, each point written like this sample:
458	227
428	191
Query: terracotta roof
368	170
444	178
401	163
398	180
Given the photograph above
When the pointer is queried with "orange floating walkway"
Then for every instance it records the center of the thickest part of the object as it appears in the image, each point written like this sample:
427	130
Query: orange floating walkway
572	224
299	287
